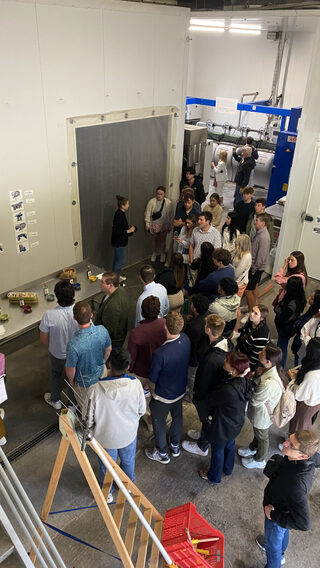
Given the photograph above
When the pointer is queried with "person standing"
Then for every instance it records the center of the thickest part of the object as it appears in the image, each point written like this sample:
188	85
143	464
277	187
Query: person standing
306	388
192	181
244	208
169	373
158	218
223	269
255	334
215	209
203	233
246	165
259	207
230	232
185	209
120	233
117	404
293	266
195	330
113	309
287	312
151	288
57	326
260	253
285	496
221	174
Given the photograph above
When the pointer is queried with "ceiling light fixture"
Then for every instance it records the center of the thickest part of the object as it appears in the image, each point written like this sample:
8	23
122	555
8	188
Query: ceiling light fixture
208	23
205	29
244	26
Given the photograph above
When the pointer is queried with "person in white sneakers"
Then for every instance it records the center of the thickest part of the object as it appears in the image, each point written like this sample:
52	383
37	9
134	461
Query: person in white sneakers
267	392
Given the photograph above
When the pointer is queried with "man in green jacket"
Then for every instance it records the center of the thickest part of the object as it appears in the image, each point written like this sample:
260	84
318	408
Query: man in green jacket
113	309
259	207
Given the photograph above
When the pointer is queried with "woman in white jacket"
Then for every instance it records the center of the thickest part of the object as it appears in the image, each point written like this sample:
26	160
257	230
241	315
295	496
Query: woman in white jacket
241	263
308	331
221	172
158	219
267	393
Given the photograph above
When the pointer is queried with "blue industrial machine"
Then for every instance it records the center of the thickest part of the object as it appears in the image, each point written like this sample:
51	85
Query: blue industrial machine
283	157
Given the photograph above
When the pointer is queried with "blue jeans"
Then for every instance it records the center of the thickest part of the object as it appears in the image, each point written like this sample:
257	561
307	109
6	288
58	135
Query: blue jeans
237	195
283	344
276	543
222	460
127	458
119	259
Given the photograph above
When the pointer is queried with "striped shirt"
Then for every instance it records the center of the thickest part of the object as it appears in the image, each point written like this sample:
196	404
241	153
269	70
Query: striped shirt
252	340
198	237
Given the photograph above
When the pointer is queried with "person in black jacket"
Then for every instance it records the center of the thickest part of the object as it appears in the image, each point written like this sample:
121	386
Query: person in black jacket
195	330
245	167
287	312
207	379
191	180
285	497
224	409
120	233
314	303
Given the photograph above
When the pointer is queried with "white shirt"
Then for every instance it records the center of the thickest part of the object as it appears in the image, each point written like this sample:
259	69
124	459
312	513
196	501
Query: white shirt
198	237
61	326
153	289
309	390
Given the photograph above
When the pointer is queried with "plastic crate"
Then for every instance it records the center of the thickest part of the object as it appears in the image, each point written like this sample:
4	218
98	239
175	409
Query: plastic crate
177	544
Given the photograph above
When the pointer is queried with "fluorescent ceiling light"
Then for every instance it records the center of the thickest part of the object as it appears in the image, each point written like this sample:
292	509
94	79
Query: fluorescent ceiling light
250	32
205	29
209	23
244	26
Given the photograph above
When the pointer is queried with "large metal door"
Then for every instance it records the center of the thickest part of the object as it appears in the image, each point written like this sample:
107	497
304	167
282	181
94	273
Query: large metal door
127	158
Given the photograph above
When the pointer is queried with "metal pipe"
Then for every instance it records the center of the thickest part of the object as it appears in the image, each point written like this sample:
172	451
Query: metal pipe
127	495
255	94
15	539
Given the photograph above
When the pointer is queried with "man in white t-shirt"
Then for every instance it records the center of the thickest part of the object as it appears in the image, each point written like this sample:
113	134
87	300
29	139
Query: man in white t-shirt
57	326
151	288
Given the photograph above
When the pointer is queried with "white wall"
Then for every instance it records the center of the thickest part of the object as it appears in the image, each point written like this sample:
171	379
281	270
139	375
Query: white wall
59	61
227	65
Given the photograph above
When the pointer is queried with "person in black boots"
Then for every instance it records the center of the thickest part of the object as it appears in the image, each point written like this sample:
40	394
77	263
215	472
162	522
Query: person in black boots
120	233
285	497
195	330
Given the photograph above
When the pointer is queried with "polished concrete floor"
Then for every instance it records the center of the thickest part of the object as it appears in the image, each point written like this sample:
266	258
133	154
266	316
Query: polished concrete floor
234	506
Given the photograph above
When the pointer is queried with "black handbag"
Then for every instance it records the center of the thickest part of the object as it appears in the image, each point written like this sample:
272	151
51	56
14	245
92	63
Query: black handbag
158	214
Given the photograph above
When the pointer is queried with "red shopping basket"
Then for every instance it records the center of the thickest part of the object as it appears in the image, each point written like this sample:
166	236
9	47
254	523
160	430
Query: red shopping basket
175	539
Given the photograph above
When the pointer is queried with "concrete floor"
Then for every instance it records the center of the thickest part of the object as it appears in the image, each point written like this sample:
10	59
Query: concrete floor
234	506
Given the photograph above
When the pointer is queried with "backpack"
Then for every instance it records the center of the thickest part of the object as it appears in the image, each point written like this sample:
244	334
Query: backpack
285	409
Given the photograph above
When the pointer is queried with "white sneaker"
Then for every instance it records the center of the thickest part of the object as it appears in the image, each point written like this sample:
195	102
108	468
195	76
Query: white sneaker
153	257
193	448
3	441
57	405
246	452
194	434
163	257
250	463
110	498
2	413
122	278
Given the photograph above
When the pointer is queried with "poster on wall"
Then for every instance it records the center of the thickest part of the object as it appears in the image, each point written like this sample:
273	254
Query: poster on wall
23	216
227	106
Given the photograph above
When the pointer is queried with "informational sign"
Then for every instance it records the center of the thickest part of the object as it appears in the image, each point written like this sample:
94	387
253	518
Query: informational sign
227	106
22	216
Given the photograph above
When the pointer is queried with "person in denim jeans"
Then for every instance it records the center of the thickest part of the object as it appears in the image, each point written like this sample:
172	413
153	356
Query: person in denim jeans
285	497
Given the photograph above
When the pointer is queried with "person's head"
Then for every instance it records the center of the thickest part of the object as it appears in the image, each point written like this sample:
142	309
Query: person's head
147	273
160	193
221	257
227	287
214	199
236	364
295	291
249	141
123	202
64	292
187	190
109	282
191	222
247	194
296	263
223	156
301	445
199	304
190	173
119	362
204	220
246	151
188	200
260	205
231	224
214	326
243	246
311	360
206	250
82	313
258	314
261	220
176	264
314	302
174	323
270	356
150	308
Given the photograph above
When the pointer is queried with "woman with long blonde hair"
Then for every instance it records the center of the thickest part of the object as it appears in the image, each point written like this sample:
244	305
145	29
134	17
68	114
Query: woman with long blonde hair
241	263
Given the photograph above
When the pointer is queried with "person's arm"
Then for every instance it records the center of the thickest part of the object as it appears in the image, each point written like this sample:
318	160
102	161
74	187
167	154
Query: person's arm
280	277
247	168
148	212
191	252
236	156
201	193
263	253
106	353
138	312
44	338
297	515
142	406
178	222
249	223
155	367
260	396
132	348
70	372
305	334
208	284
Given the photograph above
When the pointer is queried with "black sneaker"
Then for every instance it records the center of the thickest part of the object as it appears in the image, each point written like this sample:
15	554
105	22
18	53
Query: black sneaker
175	451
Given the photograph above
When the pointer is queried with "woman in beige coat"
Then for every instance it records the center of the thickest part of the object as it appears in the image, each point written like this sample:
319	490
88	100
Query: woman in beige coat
267	393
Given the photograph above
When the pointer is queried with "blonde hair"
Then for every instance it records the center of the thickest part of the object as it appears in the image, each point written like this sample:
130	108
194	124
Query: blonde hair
243	246
223	156
216	324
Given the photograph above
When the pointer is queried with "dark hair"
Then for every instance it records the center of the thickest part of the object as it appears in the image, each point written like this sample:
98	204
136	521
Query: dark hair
233	226
249	140
160	187
300	268
216	197
188	195
311	361
121	200
295	291
176	265
150	307
248	190
201	303
111	278
119	361
229	286
64	292
222	255
147	273
206	260
264	312
274	355
316	304
82	312
207	215
191	170
261	200
238	361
